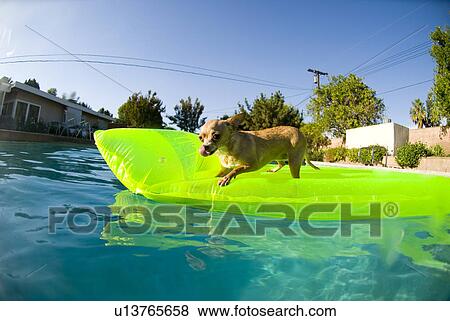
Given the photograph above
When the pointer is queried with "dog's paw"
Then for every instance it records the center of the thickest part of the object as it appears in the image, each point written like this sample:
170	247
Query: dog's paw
224	181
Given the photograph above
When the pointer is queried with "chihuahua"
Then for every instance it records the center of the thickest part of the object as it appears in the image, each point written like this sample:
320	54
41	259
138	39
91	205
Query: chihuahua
247	151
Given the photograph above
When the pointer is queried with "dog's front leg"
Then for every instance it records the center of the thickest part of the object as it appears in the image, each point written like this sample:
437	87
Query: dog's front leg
223	171
280	165
237	170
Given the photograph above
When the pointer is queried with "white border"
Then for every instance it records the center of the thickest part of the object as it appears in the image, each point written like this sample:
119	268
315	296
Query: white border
345	310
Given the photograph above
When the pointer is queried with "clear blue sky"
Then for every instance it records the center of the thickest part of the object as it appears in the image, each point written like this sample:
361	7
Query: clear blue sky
273	40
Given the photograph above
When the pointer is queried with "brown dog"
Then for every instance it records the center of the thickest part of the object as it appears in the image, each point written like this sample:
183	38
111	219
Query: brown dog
246	151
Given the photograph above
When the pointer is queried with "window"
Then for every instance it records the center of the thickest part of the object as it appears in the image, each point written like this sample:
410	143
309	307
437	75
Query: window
26	112
21	112
7	109
33	113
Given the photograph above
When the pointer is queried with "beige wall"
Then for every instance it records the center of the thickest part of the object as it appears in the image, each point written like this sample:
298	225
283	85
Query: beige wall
335	142
440	164
430	136
50	111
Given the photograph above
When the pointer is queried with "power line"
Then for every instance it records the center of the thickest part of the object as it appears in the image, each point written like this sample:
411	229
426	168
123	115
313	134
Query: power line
317	74
397	56
404	87
386	27
296	95
302	101
80	60
388	48
407	51
154	61
395	63
383	92
140	66
227	109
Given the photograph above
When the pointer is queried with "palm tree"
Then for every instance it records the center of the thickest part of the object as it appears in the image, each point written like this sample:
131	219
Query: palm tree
418	113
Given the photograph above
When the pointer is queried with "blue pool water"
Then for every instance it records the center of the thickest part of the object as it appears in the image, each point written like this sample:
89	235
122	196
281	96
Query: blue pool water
411	261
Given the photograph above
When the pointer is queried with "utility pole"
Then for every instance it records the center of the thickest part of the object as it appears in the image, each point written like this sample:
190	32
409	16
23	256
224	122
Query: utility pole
317	74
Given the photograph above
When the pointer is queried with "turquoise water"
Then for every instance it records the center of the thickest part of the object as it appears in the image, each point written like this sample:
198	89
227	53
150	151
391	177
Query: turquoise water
411	261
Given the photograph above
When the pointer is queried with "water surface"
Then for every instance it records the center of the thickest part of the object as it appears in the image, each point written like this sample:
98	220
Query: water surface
409	262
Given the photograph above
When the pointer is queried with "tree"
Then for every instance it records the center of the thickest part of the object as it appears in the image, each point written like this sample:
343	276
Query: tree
433	119
440	51
188	115
418	113
315	137
32	82
269	112
142	111
82	103
344	103
105	112
73	98
53	91
424	116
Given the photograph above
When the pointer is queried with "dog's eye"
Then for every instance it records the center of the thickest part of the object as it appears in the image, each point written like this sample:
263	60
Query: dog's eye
200	137
216	136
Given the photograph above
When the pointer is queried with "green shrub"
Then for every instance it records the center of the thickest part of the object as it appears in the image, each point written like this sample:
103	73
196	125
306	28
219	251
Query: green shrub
35	127
364	155
336	154
409	155
437	150
352	155
422	149
378	153
7	122
316	155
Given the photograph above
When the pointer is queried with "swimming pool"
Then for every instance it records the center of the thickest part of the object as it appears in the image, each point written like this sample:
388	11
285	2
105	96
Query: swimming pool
409	262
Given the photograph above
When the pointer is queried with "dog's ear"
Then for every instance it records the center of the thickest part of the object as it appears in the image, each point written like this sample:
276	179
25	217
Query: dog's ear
236	120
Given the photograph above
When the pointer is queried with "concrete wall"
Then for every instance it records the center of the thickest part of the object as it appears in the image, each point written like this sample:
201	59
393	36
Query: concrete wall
430	136
390	162
401	136
389	135
12	135
440	164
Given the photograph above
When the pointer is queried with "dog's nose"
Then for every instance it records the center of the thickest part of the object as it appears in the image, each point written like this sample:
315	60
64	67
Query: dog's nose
204	150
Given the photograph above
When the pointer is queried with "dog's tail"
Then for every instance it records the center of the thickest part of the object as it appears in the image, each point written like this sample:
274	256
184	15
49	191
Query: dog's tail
309	162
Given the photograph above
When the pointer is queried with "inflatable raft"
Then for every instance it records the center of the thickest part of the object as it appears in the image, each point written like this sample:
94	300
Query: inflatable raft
165	166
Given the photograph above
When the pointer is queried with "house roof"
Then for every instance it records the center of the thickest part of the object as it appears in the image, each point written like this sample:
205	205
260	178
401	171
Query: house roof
61	101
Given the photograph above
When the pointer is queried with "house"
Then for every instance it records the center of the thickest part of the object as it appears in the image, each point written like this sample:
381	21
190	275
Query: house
21	104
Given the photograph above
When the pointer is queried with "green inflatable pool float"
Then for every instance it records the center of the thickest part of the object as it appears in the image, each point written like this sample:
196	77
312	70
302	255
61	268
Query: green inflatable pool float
165	166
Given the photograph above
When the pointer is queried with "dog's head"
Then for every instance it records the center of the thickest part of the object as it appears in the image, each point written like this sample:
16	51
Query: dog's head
215	134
